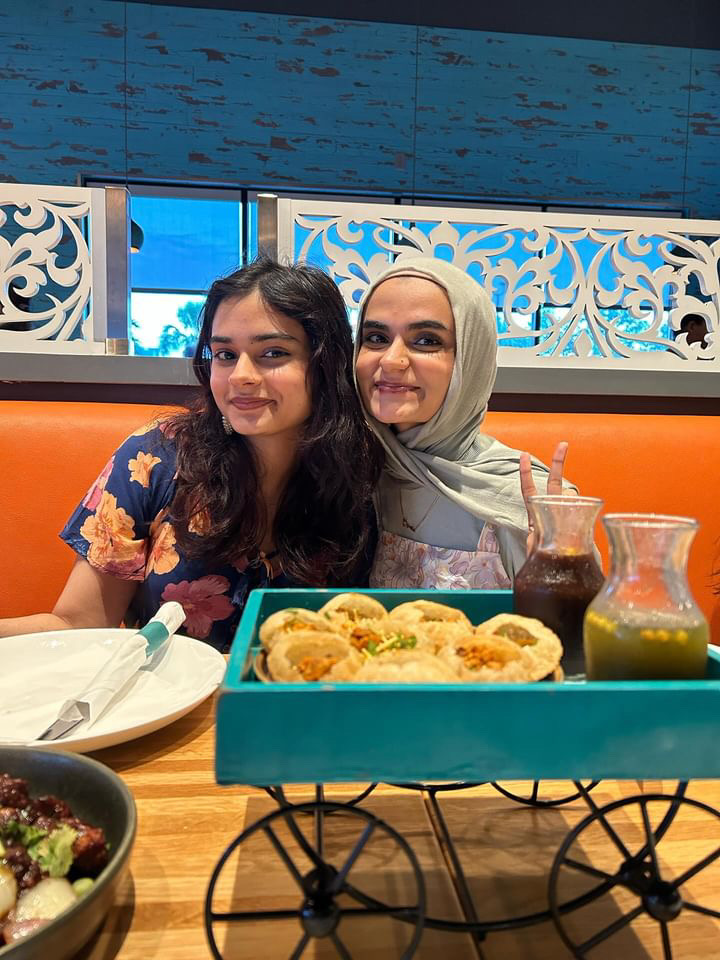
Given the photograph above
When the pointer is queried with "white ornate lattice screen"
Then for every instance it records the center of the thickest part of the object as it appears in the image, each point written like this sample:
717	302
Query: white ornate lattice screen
52	269
570	290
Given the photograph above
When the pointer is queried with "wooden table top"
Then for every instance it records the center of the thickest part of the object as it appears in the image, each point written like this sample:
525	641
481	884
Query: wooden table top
185	821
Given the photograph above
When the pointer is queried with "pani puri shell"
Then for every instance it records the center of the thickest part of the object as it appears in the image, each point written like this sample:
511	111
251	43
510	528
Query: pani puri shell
428	611
357	605
405	666
484	658
532	636
309	656
441	633
285	622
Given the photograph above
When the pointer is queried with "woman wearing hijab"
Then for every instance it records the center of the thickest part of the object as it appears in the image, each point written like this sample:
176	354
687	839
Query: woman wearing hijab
451	500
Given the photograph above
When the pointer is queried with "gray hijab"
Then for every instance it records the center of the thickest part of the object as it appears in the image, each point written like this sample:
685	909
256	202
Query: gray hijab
449	453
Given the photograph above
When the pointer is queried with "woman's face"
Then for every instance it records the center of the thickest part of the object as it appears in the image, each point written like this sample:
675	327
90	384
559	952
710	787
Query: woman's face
407	351
259	368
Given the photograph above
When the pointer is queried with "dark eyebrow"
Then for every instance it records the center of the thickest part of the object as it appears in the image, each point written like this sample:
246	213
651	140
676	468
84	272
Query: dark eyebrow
420	325
261	338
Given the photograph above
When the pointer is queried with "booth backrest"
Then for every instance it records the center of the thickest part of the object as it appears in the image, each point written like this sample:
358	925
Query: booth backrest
51	452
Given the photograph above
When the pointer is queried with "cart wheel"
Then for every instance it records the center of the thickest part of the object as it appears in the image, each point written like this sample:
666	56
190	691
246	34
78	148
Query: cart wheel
278	795
631	881
325	904
537	796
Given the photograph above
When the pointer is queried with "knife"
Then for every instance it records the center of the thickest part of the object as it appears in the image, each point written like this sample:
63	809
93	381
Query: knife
95	696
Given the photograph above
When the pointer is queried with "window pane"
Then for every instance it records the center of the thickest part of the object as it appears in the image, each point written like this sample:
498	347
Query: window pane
187	243
164	324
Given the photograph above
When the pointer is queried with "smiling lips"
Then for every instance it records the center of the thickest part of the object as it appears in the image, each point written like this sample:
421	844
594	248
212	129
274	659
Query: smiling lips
250	403
387	386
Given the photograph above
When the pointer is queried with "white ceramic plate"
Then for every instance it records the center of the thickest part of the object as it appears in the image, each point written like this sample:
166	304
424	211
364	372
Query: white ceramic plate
43	666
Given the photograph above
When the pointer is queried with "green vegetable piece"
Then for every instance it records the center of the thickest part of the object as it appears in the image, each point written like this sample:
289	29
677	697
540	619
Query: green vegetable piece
372	647
83	885
54	852
26	835
402	642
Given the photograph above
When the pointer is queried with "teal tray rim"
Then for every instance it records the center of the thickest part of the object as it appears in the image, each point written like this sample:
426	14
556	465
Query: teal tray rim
240	654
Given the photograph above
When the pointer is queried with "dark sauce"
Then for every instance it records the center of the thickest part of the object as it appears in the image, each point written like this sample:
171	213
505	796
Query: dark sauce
557	589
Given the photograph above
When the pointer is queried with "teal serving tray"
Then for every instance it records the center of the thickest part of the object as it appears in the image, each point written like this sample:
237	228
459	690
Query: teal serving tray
327	733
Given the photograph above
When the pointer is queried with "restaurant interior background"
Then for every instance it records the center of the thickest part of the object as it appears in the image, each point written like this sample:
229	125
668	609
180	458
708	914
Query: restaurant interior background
520	111
197	107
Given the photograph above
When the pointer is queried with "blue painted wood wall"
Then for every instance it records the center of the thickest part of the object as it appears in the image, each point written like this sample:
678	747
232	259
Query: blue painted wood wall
102	88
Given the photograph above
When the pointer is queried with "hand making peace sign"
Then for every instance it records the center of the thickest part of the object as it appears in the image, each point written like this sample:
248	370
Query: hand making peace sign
554	483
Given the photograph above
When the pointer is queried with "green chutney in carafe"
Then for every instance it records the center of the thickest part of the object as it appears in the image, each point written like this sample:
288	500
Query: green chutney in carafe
644	623
640	647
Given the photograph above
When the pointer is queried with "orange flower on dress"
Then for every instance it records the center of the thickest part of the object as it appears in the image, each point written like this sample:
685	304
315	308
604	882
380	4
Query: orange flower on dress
159	423
110	531
141	468
163	556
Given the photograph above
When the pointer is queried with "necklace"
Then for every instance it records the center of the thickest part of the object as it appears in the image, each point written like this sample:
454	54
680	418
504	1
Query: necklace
405	522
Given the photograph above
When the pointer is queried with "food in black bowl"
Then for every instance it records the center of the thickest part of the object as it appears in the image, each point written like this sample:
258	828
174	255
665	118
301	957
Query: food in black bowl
67	824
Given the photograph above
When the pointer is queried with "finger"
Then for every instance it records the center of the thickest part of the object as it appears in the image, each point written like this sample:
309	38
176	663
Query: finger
554	485
527	484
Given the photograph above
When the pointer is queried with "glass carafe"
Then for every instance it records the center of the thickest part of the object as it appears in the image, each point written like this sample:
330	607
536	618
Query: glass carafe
644	624
561	575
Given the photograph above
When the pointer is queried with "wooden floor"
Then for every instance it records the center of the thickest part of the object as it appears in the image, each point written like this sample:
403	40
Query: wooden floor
506	851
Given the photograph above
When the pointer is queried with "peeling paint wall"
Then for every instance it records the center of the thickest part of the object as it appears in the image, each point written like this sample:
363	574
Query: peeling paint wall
106	88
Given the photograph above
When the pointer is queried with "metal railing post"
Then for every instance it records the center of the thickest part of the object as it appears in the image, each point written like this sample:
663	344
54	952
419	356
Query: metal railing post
267	223
117	235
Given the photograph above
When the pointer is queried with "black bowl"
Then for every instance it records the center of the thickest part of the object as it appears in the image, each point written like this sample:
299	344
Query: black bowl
99	797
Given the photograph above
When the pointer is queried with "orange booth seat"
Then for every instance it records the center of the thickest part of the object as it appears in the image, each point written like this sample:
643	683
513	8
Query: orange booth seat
51	452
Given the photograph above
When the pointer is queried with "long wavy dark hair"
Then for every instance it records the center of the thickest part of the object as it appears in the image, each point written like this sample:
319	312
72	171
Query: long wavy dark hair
324	524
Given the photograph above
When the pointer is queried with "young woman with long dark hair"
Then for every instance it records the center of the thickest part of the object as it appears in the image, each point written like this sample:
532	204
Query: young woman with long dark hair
268	480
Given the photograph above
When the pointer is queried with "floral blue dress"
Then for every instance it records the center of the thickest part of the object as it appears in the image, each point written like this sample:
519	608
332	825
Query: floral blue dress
122	528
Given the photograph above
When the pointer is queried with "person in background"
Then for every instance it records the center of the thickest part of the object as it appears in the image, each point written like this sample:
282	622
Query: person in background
695	326
451	500
268	481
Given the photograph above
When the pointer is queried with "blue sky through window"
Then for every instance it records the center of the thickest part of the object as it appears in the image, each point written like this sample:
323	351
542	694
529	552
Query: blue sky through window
188	243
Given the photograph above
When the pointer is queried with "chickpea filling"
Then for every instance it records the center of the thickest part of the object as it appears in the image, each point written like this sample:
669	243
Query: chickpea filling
511	631
313	668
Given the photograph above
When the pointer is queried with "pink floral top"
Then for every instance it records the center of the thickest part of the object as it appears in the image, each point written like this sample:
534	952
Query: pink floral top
407	564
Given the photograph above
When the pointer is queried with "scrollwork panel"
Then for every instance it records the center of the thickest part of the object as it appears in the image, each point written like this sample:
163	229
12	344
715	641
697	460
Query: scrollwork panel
597	287
45	265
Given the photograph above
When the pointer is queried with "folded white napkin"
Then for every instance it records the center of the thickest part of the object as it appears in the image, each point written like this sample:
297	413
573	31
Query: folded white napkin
34	695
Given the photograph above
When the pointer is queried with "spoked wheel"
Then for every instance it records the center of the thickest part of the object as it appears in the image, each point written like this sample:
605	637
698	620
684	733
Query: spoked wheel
330	873
642	869
278	795
541	794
